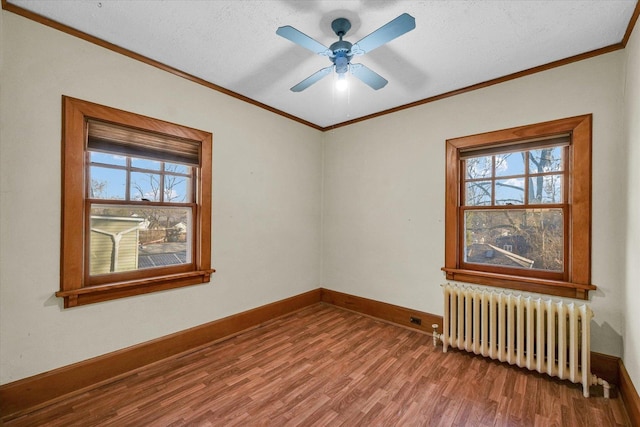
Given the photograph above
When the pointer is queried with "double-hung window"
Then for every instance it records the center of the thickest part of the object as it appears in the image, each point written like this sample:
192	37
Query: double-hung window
136	204
518	208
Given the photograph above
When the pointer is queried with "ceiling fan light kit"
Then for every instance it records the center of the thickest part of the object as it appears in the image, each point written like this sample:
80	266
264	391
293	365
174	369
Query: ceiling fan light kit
341	82
341	52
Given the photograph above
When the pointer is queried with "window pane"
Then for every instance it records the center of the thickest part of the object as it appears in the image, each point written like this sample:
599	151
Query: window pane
545	160
510	191
145	164
478	193
145	186
510	164
515	238
545	189
107	183
177	168
125	238
109	159
176	189
478	167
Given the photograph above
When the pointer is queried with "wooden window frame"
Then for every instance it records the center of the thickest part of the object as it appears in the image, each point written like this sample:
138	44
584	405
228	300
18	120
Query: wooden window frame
576	281
75	288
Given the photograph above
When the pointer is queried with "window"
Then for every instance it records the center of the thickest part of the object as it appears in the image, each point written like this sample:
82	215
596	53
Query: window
518	208
136	204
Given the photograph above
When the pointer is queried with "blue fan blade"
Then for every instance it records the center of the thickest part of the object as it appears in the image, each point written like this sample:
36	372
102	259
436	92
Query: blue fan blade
312	79
302	39
402	24
369	77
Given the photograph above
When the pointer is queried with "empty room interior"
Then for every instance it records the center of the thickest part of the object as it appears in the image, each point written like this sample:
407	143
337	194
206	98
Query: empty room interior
319	212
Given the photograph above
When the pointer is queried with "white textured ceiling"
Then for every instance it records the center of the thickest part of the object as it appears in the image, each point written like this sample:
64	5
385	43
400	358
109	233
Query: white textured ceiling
456	44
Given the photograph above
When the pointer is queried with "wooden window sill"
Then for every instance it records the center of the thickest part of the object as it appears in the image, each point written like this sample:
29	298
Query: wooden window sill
526	284
92	294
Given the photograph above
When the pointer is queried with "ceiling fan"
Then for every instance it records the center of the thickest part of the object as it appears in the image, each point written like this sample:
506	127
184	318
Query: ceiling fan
341	52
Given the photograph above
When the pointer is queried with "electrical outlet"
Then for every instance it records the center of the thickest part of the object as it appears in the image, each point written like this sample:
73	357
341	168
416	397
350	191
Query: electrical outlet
415	320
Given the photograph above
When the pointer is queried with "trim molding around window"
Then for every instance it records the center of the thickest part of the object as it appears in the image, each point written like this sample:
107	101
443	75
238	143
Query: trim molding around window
572	136
97	139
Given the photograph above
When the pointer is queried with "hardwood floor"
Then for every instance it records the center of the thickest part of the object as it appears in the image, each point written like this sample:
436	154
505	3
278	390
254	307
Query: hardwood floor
328	366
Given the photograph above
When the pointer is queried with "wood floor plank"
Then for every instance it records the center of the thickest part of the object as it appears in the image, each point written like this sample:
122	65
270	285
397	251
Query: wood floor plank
325	366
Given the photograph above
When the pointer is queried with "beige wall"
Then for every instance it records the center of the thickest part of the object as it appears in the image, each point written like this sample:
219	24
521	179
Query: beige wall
631	304
384	187
266	201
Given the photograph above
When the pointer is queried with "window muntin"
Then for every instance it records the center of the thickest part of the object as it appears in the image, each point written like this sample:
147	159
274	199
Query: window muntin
543	189
532	179
136	211
117	177
523	177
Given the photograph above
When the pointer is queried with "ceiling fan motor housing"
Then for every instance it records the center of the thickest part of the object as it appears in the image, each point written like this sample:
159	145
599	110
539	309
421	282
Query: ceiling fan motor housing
341	55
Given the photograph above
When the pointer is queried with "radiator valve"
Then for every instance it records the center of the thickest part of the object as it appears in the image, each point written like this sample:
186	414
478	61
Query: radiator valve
605	385
436	336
